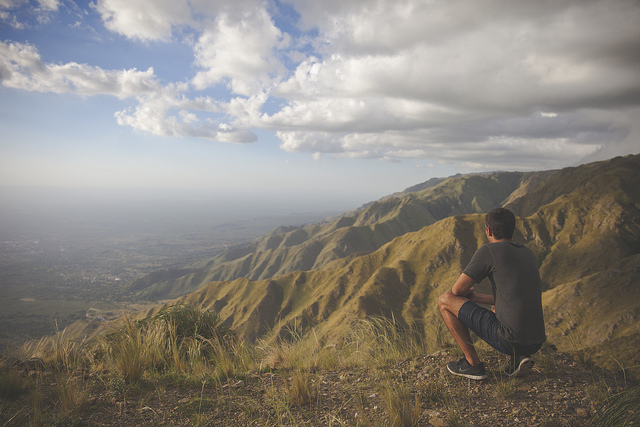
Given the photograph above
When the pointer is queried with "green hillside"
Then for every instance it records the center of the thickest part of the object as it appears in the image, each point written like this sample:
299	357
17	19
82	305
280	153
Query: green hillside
583	223
289	249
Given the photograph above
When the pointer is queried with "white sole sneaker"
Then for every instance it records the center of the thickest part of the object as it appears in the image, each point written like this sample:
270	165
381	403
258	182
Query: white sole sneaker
523	368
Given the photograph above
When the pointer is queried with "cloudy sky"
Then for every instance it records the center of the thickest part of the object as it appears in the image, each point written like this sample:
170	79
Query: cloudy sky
349	99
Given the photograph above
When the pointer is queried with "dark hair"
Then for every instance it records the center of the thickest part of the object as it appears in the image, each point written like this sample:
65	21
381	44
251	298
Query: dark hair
502	223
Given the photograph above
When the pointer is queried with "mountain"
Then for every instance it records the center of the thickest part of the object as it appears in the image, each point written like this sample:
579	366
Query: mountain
583	223
310	247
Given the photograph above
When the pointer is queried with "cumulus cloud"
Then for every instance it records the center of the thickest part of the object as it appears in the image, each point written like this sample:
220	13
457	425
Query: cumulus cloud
160	110
241	50
463	78
493	83
146	20
22	68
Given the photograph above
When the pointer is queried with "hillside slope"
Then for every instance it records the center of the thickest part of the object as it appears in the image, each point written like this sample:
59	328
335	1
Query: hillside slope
583	223
289	249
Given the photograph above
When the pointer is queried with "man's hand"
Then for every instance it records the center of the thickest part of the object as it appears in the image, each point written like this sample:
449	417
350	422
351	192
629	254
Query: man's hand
471	295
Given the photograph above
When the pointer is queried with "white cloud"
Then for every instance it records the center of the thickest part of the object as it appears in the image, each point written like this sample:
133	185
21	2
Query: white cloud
144	20
10	4
52	5
240	49
462	74
163	114
22	68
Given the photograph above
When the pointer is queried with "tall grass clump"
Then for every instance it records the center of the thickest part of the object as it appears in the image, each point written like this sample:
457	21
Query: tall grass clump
622	409
298	351
127	350
179	338
403	409
301	391
380	340
373	341
58	351
72	396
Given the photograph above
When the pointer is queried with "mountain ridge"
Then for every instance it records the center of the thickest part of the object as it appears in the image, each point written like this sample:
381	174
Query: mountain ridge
287	249
585	231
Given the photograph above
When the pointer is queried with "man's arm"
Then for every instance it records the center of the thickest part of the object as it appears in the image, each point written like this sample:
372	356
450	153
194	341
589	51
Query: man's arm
463	287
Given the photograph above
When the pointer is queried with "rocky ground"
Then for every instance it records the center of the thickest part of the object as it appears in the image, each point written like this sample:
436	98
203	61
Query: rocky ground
558	392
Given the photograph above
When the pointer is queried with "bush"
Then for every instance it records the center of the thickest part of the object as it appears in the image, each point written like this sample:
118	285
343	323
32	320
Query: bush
191	322
179	337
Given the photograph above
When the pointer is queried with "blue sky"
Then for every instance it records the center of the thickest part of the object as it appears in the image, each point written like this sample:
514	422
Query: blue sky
334	100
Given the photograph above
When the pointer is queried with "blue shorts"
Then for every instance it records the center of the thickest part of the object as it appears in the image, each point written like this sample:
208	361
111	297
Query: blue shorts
484	324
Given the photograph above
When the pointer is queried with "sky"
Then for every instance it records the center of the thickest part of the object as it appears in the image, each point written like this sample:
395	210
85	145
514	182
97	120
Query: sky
337	101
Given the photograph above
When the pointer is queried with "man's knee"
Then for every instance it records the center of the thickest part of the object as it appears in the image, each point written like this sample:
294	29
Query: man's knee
450	302
444	301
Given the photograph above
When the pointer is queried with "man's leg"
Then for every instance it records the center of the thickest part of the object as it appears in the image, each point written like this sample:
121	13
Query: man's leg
449	306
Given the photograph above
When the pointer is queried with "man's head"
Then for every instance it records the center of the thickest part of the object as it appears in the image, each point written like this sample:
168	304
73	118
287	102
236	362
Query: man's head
501	222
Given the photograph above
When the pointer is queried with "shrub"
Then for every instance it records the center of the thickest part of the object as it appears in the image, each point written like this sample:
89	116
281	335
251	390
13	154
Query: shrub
179	337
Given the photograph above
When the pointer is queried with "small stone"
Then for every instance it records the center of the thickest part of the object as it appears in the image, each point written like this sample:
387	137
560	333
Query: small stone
582	413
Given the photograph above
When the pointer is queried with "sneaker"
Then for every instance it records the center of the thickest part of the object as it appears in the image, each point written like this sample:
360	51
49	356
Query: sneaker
519	366
464	369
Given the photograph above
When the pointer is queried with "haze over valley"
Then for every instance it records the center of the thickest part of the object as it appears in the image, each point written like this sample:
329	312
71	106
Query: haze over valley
63	251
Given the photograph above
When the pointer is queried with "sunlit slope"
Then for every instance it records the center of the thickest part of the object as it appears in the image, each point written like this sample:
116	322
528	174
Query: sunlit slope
288	249
587	240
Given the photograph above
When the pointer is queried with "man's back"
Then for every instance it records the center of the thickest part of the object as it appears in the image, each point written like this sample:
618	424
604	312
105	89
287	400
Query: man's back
512	269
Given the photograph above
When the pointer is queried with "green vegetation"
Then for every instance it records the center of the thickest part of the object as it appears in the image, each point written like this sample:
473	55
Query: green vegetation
168	369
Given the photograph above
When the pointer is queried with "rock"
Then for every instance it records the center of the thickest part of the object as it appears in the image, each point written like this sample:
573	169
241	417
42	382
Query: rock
33	364
582	413
437	422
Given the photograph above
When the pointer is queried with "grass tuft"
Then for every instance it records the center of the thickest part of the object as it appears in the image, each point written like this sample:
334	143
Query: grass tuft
301	392
622	409
72	397
403	409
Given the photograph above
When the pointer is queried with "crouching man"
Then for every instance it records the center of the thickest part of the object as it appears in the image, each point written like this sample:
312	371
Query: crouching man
516	327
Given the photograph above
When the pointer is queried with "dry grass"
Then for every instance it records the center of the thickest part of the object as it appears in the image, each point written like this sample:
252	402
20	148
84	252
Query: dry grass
403	409
301	392
72	396
161	354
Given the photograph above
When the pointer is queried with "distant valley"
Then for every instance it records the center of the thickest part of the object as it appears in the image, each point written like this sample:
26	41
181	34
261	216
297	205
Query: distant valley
66	254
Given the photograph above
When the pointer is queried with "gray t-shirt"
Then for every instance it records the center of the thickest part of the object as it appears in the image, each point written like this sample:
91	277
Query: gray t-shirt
513	272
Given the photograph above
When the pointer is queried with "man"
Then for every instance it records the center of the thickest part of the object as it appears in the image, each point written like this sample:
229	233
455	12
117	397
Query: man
517	326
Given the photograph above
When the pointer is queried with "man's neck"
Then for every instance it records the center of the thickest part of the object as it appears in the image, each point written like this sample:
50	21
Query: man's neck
494	240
